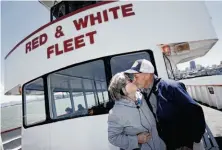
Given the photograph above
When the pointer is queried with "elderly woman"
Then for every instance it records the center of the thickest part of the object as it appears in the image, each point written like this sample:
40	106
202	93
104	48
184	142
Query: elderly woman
130	122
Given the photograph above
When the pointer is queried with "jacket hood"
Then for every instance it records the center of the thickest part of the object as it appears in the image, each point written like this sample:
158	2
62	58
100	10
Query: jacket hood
130	103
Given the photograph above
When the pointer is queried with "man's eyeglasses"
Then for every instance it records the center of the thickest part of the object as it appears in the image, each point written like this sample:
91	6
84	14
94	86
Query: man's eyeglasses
130	76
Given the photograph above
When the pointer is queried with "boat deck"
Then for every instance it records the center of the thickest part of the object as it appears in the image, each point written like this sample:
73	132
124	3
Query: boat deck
214	120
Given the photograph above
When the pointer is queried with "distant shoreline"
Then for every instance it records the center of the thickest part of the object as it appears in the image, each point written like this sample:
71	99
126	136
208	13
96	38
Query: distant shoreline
10	105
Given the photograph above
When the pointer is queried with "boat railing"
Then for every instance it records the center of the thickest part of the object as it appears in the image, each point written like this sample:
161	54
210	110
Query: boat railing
209	141
12	139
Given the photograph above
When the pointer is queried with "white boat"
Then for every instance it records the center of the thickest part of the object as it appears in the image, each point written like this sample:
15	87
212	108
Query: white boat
70	61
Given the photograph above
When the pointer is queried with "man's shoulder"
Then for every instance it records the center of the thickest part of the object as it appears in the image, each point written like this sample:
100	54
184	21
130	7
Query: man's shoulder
168	83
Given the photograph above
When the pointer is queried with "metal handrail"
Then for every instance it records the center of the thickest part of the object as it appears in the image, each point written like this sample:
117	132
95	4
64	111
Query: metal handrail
209	141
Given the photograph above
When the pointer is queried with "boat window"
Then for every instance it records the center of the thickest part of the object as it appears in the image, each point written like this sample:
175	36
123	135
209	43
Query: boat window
82	91
100	86
79	100
65	7
124	62
106	96
34	102
62	102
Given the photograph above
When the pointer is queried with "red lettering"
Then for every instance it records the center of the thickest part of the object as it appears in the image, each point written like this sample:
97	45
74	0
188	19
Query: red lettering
105	15
43	39
91	36
57	51
114	11
50	51
35	43
81	23
79	42
94	18
28	47
127	10
68	45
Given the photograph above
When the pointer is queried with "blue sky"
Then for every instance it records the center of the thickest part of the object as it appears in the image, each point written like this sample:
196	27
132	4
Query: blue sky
19	19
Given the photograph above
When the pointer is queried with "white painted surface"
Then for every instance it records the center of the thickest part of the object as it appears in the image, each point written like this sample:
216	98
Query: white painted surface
208	80
153	23
36	138
198	89
82	134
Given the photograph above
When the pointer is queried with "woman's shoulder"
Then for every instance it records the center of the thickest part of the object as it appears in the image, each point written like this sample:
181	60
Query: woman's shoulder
115	115
119	110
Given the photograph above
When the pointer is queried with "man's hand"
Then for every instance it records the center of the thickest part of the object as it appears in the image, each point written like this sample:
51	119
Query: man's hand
184	148
143	137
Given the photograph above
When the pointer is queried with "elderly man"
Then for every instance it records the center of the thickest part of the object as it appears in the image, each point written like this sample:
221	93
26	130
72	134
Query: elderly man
179	118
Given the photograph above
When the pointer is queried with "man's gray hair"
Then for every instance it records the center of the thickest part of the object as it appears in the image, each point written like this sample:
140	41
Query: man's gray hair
117	83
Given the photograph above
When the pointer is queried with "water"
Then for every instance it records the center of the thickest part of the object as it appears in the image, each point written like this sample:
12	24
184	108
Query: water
12	115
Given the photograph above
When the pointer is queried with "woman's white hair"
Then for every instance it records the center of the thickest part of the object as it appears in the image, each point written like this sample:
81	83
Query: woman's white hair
117	84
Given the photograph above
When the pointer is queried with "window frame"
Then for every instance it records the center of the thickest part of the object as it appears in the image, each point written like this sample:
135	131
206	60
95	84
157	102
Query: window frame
24	120
171	68
108	74
54	115
67	11
148	53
